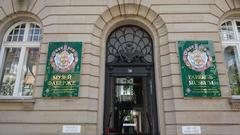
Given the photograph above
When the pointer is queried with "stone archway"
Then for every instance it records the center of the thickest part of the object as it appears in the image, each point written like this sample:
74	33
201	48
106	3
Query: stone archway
142	16
130	94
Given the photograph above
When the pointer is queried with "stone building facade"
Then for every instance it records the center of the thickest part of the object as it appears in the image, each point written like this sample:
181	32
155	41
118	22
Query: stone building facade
91	22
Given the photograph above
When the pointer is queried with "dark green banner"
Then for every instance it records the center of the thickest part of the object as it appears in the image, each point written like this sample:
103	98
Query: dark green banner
199	70
62	77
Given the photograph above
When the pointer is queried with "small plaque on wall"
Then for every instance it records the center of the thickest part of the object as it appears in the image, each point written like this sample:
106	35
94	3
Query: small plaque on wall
63	65
191	130
199	70
71	129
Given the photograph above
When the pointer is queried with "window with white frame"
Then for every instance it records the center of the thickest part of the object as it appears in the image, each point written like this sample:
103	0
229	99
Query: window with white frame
19	52
230	35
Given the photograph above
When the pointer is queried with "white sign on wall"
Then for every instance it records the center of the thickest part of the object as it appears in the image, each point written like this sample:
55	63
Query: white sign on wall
191	130
71	129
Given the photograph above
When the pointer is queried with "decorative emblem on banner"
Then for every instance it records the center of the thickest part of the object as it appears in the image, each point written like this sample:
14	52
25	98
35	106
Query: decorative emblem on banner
197	57
64	58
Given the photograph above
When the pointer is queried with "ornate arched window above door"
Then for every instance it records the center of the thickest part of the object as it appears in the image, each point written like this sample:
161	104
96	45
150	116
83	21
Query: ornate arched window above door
129	45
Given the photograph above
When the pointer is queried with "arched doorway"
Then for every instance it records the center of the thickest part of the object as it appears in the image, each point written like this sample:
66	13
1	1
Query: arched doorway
130	95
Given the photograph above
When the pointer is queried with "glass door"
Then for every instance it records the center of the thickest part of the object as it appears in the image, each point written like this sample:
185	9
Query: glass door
131	107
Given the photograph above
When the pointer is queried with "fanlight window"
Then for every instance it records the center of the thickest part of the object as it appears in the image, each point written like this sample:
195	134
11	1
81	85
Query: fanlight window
230	30
227	32
31	31
19	55
230	35
129	45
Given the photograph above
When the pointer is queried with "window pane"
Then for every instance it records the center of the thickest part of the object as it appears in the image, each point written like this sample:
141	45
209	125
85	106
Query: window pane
30	72
9	72
16	32
21	31
14	38
20	38
37	31
232	63
35	38
9	38
229	23
23	25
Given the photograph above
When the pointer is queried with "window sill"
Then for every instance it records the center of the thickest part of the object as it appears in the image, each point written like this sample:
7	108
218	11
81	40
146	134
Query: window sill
10	99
